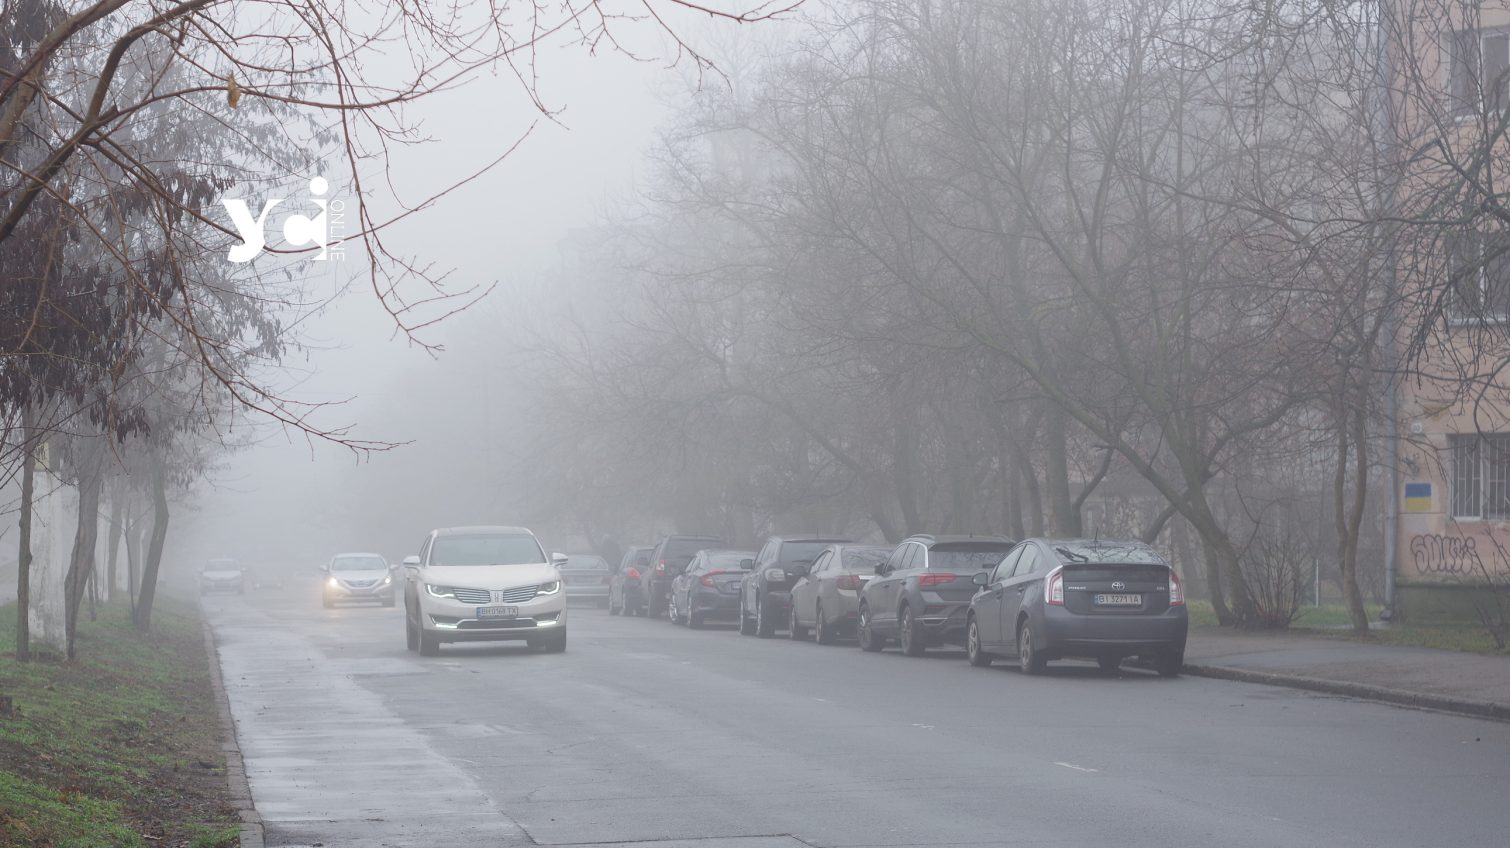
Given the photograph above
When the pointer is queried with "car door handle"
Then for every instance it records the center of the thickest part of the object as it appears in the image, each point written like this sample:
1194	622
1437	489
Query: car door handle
1021	589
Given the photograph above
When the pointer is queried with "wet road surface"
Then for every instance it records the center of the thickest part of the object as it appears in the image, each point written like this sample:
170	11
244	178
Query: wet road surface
645	734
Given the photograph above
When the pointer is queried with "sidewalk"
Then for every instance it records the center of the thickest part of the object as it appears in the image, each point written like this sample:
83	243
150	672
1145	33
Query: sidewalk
1472	684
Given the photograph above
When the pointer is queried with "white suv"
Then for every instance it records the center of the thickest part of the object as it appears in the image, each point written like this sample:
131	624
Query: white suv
483	584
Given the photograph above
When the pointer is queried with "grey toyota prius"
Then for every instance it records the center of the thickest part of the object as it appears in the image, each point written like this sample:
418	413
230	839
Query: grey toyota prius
1056	598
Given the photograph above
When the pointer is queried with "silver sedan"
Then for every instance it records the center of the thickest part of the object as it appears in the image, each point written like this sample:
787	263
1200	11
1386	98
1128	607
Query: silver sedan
827	598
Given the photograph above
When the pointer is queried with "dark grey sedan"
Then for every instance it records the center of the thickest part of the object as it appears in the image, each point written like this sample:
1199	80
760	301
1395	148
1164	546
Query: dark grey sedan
709	589
1101	600
922	591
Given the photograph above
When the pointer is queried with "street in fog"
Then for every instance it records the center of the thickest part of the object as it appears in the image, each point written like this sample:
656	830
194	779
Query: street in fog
644	733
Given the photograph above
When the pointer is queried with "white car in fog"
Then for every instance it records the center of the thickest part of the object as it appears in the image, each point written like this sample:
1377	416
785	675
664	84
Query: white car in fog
483	584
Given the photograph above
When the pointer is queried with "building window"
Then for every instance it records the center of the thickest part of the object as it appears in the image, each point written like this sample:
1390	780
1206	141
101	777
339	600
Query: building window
1478	278
1480	476
1477	65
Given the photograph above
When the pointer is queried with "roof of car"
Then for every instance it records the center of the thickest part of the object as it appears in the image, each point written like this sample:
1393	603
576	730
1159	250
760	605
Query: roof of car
935	539
495	529
832	540
355	554
727	552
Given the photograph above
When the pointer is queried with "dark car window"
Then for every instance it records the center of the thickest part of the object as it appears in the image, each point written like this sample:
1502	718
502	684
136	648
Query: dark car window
822	562
1004	568
793	553
861	559
894	561
358	563
964	556
485	550
913	557
683	547
1135	553
728	560
1027	563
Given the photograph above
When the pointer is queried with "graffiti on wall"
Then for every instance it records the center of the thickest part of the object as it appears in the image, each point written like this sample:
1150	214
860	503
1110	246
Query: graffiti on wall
1456	556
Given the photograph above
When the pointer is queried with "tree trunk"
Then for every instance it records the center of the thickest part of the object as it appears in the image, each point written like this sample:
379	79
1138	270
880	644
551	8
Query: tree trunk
143	614
1057	474
1349	517
23	554
113	543
133	558
86	534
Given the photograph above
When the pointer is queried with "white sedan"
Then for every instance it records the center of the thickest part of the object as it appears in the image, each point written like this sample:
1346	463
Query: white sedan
483	584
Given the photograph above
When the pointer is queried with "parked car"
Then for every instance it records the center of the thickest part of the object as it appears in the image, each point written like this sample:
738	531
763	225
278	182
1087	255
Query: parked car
626	592
827	597
765	593
669	559
586	577
357	577
222	575
921	594
709	588
483	584
1102	600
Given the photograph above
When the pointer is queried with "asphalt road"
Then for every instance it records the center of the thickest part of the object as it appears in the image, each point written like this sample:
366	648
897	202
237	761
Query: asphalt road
649	734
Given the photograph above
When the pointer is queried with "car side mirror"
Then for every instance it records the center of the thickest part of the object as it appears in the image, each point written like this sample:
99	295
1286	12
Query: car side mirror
324	566
880	570
558	559
746	564
411	561
981	578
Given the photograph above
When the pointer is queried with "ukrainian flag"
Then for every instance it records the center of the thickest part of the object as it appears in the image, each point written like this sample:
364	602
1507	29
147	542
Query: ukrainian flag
1418	497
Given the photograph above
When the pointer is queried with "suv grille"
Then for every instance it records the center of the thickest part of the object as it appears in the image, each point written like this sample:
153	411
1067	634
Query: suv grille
483	596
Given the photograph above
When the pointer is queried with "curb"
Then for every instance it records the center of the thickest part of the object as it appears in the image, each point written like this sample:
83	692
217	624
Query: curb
1399	697
235	766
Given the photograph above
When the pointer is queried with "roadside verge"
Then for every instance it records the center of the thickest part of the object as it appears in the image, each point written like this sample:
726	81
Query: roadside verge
1399	697
235	766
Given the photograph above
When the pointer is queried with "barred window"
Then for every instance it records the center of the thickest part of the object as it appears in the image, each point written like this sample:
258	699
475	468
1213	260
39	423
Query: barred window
1480	475
1477	66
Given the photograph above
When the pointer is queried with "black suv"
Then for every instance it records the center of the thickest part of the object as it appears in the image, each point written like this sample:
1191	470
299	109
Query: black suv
765	596
669	559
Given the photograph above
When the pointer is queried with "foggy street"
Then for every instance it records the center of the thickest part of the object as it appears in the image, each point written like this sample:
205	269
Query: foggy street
644	733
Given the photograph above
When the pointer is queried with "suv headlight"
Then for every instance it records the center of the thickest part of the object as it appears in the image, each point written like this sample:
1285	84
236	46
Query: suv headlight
441	591
387	579
550	588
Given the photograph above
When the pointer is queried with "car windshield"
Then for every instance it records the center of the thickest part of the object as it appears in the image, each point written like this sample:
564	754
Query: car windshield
221	565
965	556
685	548
864	559
1122	552
361	562
794	553
485	550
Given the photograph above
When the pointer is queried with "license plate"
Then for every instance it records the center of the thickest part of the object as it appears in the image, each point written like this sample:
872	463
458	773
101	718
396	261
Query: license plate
1118	600
497	612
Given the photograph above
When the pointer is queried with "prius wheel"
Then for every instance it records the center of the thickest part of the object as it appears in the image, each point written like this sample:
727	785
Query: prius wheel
978	657
765	628
1028	658
795	631
869	641
822	632
1169	663
912	639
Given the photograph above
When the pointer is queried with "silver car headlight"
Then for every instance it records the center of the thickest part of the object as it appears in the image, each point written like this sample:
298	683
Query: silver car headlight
550	588
441	591
388	579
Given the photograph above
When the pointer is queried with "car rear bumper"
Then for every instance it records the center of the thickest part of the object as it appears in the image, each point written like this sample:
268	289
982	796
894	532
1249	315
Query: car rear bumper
715	605
586	593
1065	633
944	623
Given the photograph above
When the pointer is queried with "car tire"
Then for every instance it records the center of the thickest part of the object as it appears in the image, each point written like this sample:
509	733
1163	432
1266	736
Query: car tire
977	655
613	610
911	639
746	625
869	641
1169	663
1029	660
1109	664
694	619
429	646
554	643
823	634
411	638
765	628
795	631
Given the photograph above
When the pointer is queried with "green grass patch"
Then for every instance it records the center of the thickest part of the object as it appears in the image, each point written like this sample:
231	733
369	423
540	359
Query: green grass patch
120	748
1332	621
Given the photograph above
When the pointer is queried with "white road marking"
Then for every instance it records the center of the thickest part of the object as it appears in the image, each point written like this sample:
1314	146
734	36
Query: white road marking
1077	768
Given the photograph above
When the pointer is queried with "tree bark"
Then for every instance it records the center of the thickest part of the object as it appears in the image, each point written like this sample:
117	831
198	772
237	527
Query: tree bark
1351	427
23	555
86	534
1057	473
143	614
117	499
